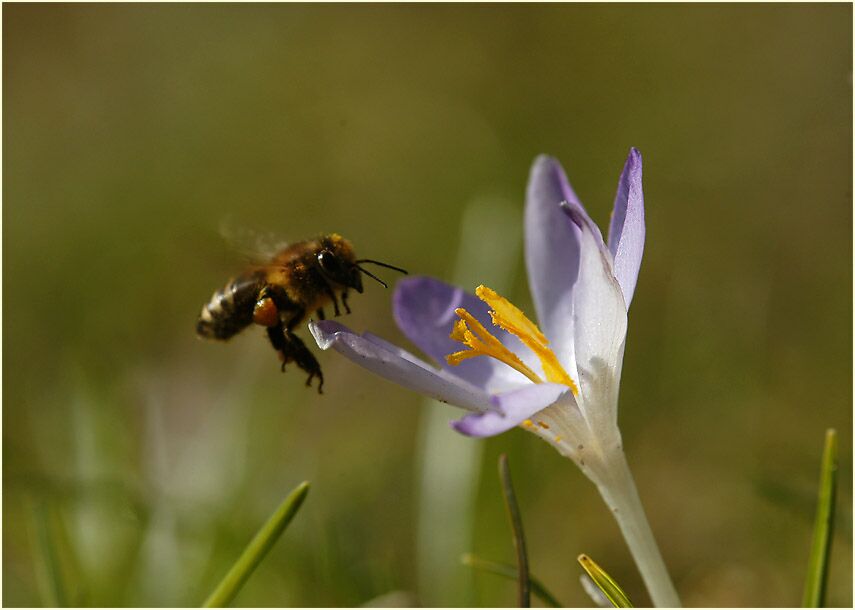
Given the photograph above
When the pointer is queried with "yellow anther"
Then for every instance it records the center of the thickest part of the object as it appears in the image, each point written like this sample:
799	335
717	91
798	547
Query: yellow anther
527	423
543	425
510	318
551	366
458	333
471	333
557	439
507	314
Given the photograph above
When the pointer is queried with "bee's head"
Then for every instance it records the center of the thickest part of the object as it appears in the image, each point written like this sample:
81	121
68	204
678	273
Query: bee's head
337	262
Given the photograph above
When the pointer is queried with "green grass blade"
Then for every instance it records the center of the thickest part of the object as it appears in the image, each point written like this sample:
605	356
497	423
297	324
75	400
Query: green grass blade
524	592
817	575
48	561
509	571
594	592
257	549
605	583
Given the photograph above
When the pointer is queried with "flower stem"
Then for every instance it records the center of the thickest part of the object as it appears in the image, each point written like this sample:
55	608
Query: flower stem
618	489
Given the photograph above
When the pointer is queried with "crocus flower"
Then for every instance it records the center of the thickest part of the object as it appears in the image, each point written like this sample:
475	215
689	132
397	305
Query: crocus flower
559	380
561	383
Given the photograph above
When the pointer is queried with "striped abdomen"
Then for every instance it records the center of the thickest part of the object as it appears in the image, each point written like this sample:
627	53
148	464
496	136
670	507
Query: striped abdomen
230	309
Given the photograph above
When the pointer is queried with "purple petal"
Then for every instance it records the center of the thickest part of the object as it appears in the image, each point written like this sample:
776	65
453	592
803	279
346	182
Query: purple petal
424	311
626	231
399	366
511	409
552	253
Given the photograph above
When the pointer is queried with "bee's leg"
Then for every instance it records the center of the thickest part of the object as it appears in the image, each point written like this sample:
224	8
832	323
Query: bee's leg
292	349
279	335
297	313
276	334
320	313
344	301
282	338
334	298
297	351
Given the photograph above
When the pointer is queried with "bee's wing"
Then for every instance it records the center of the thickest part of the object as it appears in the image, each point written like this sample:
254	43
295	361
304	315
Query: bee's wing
257	247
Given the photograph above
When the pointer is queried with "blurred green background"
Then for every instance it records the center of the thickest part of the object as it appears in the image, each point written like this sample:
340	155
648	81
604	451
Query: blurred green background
130	132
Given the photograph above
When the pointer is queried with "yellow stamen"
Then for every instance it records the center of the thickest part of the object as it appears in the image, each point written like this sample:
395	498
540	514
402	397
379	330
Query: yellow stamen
508	317
471	333
506	311
527	423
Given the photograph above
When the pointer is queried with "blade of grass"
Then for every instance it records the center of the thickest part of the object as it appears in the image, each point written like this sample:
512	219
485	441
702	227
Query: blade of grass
257	548
817	574
604	582
509	571
594	592
48	561
524	593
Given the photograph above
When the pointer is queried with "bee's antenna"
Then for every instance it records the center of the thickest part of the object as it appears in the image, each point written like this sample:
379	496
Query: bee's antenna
387	265
372	276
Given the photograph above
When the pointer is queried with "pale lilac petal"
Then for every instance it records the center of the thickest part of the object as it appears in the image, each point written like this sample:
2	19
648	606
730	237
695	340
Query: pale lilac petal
424	311
397	365
600	322
626	230
511	409
552	254
580	216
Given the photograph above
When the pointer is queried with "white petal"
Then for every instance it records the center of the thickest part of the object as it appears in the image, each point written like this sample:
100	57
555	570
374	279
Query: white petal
600	325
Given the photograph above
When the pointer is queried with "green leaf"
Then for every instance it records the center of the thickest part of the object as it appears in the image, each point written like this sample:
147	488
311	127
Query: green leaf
524	593
605	583
817	574
257	548
509	571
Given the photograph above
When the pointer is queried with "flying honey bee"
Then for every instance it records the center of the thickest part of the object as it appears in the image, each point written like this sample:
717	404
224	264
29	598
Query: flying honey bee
300	279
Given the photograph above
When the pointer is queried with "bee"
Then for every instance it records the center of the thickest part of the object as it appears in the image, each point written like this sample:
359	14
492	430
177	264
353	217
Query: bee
298	280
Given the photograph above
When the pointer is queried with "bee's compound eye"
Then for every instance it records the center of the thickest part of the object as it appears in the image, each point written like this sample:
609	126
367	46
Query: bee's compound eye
328	262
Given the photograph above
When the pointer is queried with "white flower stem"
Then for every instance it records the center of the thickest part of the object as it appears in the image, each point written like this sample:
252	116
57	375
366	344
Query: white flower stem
618	489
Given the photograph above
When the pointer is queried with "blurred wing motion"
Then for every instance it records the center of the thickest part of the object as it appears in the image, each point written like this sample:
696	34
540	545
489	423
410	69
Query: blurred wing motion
254	246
